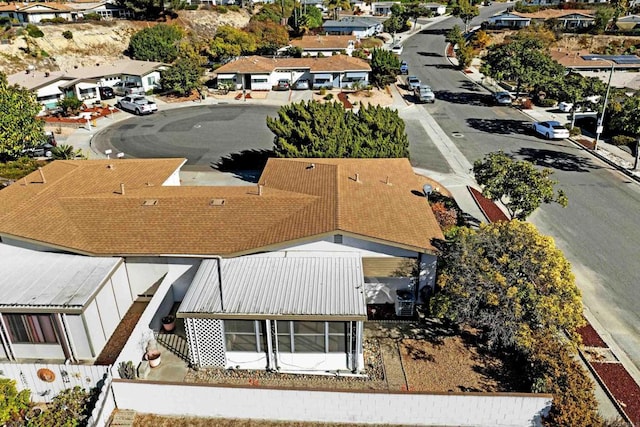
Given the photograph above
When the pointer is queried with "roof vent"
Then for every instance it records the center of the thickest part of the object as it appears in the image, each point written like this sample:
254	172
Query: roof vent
358	177
216	202
150	202
311	166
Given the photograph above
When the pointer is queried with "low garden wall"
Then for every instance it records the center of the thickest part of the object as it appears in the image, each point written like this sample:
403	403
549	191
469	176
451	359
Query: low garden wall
462	409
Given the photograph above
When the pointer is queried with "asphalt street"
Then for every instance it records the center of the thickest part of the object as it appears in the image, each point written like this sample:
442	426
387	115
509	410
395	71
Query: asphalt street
600	230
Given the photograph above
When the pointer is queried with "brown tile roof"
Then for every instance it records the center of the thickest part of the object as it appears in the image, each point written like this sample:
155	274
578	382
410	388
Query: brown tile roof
80	207
259	64
574	59
556	13
323	42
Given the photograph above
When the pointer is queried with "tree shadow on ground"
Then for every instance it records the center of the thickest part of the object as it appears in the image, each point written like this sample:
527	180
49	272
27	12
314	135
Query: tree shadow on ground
431	54
468	98
440	32
556	160
247	164
441	66
471	86
500	126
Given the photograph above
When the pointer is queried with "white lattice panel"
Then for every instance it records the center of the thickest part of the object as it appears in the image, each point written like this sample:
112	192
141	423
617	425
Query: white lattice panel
206	342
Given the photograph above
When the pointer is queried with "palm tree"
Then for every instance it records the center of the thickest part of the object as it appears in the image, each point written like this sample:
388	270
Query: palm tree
336	5
65	152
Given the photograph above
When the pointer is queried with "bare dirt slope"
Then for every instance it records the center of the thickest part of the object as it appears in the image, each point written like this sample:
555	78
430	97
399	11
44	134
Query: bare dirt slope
100	41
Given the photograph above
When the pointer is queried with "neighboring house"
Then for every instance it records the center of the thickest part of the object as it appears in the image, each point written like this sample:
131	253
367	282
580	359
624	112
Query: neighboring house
628	23
34	13
625	67
366	216
383	8
567	18
557	2
327	45
260	73
83	83
359	26
57	306
436	8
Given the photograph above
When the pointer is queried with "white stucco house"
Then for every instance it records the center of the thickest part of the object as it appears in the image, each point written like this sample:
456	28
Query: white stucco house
324	45
37	12
298	257
84	82
566	18
261	73
358	26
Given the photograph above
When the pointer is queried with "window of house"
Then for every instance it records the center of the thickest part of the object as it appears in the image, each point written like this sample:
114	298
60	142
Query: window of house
151	81
32	329
284	336
244	335
308	337
337	336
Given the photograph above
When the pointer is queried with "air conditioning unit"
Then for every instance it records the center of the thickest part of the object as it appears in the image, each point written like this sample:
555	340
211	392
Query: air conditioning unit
405	303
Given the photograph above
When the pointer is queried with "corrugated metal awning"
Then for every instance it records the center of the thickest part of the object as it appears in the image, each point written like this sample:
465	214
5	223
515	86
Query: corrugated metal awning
268	286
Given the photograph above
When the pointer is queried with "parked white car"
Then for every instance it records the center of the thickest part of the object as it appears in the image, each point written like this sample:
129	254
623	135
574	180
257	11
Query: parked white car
423	93
551	130
565	107
397	49
137	104
413	82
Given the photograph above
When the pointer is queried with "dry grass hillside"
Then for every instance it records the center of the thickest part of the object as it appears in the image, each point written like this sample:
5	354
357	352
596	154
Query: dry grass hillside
100	41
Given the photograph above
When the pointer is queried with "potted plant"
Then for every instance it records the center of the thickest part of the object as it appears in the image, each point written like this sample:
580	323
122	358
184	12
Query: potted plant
169	322
152	354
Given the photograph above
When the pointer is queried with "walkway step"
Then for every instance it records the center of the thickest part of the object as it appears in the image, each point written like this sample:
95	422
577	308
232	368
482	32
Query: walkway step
123	418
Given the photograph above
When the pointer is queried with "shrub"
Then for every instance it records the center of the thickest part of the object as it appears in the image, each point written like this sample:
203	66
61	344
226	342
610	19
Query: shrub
34	31
67	35
447	217
92	17
70	105
329	97
527	104
70	408
191	7
573	131
12	402
222	9
547	102
234	8
623	140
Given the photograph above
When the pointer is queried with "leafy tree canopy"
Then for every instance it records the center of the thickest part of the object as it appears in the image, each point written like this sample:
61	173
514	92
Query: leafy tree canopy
625	116
183	77
524	61
268	35
19	126
385	66
148	8
313	129
509	280
158	43
517	184
230	42
465	10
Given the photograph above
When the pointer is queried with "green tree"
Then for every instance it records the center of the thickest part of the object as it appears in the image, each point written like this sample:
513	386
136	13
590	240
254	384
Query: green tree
510	281
517	184
313	129
385	66
19	126
65	152
415	10
269	36
183	77
147	8
625	120
524	61
336	5
575	88
158	43
70	105
464	54
601	19
454	35
230	41
305	19
12	403
465	10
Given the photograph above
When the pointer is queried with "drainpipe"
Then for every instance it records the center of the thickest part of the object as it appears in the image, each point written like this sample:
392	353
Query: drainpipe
62	317
6	342
219	259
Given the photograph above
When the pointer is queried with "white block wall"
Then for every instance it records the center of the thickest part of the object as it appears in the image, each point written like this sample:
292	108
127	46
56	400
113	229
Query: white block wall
461	409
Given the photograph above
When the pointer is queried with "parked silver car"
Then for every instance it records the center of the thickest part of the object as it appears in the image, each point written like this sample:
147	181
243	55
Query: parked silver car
423	93
413	82
137	104
123	88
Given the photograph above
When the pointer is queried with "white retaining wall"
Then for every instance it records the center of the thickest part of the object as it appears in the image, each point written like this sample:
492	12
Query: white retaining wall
462	409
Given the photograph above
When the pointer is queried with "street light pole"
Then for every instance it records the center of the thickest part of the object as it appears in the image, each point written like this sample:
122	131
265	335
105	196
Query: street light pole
599	127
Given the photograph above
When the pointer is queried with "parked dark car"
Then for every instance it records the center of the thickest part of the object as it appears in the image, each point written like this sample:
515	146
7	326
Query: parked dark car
42	149
283	84
106	92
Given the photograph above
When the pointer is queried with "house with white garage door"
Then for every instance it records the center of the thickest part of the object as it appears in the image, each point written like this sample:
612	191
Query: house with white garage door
261	73
298	257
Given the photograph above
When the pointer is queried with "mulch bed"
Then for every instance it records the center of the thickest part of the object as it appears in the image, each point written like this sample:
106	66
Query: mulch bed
590	337
345	101
96	113
623	387
585	143
488	208
118	339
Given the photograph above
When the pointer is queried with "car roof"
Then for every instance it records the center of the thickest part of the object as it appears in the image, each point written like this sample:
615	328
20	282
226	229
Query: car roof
552	123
